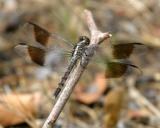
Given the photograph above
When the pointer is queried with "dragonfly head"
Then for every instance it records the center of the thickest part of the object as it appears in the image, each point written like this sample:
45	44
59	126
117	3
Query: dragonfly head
85	39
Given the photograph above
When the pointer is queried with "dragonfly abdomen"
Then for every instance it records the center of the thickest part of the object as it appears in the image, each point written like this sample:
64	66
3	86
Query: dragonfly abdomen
66	74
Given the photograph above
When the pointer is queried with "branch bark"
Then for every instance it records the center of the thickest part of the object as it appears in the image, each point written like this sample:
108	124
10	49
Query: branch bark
96	38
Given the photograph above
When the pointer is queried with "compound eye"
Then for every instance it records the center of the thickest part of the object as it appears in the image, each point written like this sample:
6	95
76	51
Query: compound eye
84	38
87	41
81	38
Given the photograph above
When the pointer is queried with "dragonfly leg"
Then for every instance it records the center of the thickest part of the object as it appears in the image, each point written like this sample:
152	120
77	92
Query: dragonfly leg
57	91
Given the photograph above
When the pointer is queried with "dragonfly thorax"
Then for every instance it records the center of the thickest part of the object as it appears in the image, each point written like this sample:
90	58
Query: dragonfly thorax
80	46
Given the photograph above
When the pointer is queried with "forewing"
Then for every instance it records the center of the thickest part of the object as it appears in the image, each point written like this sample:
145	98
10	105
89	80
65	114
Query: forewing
41	35
117	69
35	35
123	51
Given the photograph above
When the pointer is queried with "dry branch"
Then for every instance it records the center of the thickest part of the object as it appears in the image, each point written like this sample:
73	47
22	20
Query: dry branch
96	38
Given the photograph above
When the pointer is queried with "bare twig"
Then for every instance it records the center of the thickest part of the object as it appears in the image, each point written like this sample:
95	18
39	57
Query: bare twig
96	38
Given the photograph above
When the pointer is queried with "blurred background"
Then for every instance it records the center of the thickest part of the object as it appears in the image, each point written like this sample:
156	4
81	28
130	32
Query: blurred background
26	90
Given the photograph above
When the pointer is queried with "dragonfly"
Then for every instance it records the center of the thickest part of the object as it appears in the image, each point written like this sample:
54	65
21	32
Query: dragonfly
38	53
114	68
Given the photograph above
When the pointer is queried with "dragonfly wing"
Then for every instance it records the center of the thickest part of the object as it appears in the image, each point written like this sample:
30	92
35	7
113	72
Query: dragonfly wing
35	35
122	51
41	35
37	55
117	69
